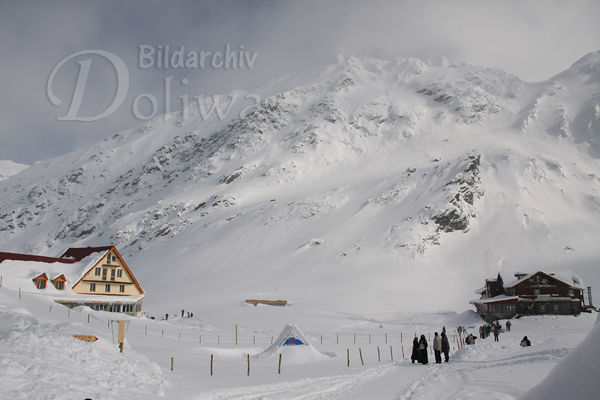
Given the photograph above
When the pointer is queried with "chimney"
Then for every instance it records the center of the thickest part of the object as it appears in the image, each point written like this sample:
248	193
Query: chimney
589	290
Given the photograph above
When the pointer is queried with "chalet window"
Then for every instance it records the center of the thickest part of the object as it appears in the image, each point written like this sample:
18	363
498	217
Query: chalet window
98	271
114	258
495	308
536	292
119	273
509	308
122	288
571	293
59	285
112	273
41	284
107	288
92	287
108	259
556	308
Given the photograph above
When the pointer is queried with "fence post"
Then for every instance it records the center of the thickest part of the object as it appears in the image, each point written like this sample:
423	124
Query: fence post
400	337
386	338
337	338
200	339
279	367
88	318
348	357
211	365
50	309
162	333
253	339
378	354
19	293
321	339
402	351
236	334
361	357
172	363
69	313
218	339
391	353
248	357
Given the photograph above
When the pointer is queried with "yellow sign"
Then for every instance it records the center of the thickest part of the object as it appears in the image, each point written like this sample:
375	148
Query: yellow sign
121	331
86	338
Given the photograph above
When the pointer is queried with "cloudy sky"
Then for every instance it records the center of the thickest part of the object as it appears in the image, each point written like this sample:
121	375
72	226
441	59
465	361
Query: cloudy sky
533	39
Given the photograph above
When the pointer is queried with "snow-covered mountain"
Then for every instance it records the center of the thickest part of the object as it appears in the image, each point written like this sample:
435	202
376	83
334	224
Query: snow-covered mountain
380	184
10	168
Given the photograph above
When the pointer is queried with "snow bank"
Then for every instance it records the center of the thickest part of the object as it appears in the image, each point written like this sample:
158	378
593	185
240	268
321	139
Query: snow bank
43	361
468	317
575	376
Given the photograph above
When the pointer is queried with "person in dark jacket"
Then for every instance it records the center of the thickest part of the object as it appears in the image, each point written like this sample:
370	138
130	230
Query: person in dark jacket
423	359
525	342
415	350
445	346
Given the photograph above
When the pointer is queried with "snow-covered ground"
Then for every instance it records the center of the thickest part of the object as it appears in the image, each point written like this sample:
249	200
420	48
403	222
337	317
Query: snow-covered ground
40	359
9	168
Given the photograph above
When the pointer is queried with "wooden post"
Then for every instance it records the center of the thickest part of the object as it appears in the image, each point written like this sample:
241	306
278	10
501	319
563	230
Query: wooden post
121	334
172	363
218	339
402	351
236	334
162	333
253	339
386	338
378	354
279	367
211	364
400	337
321	339
50	309
391	353
69	313
348	357
248	357
337	338
88	318
361	357
19	292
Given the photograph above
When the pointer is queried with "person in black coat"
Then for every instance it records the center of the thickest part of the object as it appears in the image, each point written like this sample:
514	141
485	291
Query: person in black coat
445	346
423	359
415	350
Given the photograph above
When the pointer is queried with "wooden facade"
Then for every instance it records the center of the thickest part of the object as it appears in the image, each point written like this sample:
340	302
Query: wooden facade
536	293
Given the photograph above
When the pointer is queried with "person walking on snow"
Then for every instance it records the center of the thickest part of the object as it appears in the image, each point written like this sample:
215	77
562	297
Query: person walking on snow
445	346
508	324
496	333
437	348
415	350
423	359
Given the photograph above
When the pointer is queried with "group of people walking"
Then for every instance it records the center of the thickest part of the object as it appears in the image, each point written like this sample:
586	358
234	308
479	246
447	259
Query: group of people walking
440	345
495	328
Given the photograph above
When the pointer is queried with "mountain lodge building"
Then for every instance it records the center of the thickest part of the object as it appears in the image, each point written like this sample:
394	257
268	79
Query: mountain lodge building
533	293
96	277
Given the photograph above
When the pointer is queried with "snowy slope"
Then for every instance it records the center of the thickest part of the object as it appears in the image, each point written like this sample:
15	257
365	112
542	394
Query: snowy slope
9	168
379	184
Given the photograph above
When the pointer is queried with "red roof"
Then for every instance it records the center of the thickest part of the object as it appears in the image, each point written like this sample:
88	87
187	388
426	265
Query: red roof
79	253
32	257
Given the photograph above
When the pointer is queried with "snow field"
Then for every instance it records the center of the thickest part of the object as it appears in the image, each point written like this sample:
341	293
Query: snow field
38	351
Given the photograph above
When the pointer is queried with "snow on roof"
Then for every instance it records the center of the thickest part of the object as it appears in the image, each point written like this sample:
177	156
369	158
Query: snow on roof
566	276
494	299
